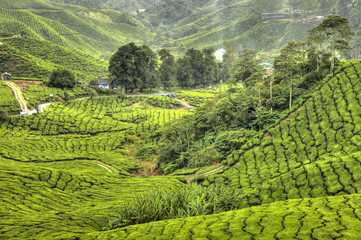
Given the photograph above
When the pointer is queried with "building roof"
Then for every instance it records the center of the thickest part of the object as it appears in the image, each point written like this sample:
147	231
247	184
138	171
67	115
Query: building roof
102	81
6	73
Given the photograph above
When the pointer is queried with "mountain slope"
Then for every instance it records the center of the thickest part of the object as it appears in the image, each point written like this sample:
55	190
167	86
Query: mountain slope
32	58
92	31
313	152
299	179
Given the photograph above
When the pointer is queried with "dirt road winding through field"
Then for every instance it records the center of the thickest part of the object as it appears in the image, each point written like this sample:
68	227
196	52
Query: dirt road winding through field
18	96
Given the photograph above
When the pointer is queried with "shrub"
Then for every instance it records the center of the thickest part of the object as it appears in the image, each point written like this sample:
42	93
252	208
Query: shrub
187	201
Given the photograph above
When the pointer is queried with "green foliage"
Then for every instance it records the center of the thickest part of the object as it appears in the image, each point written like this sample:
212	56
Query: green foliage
29	57
167	69
321	218
92	31
188	201
8	101
61	79
133	67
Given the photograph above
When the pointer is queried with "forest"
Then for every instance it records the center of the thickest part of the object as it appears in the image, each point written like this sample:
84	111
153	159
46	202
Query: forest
180	119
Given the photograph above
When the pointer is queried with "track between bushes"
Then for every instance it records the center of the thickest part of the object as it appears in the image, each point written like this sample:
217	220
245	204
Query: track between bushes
18	96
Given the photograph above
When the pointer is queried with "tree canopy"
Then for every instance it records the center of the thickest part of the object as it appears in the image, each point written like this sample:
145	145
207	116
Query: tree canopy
62	78
134	67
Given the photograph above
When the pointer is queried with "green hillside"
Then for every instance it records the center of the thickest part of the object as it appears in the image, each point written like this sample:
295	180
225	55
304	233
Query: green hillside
251	34
55	165
318	218
313	152
299	179
94	32
34	58
8	101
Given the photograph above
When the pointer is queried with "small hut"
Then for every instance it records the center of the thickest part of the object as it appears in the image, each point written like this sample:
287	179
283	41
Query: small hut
104	83
6	76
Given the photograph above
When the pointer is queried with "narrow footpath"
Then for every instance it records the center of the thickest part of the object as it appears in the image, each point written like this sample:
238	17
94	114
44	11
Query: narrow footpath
18	96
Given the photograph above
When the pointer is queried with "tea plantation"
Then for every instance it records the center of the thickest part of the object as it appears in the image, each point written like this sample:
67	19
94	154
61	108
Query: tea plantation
64	173
8	101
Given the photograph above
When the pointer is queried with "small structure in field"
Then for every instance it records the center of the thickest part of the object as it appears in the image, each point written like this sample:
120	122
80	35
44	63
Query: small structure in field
6	76
104	83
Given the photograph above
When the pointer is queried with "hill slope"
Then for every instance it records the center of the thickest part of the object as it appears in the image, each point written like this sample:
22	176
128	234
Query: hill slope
299	179
34	58
92	31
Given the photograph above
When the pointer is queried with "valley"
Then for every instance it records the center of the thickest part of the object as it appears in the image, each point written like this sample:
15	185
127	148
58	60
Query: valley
139	131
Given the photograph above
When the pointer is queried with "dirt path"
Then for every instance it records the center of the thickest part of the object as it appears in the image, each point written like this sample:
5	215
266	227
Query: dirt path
15	36
108	169
186	105
18	96
214	171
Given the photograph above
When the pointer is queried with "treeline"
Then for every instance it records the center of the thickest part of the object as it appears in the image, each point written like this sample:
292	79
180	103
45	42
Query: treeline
137	67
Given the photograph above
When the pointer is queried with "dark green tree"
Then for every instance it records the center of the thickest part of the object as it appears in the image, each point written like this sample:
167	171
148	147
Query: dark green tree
62	78
184	72
211	73
228	60
333	34
134	67
147	68
288	65
245	66
198	68
167	68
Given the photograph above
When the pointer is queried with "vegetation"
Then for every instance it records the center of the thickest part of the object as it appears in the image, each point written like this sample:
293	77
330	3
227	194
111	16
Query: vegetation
32	58
94	32
262	155
188	201
8	102
133	67
61	79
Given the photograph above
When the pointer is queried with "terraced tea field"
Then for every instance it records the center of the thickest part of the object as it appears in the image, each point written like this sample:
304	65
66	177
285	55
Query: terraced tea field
64	173
8	101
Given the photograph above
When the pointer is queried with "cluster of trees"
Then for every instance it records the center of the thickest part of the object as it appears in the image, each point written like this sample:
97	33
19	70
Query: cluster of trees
224	123
61	78
136	67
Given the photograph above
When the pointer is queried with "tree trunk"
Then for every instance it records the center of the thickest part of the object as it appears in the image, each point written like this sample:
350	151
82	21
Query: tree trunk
332	58
271	93
290	94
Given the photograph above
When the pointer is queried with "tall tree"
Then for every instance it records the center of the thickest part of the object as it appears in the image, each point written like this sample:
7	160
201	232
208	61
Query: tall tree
228	60
211	67
245	66
333	34
148	68
288	65
134	67
167	68
197	65
122	67
185	77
